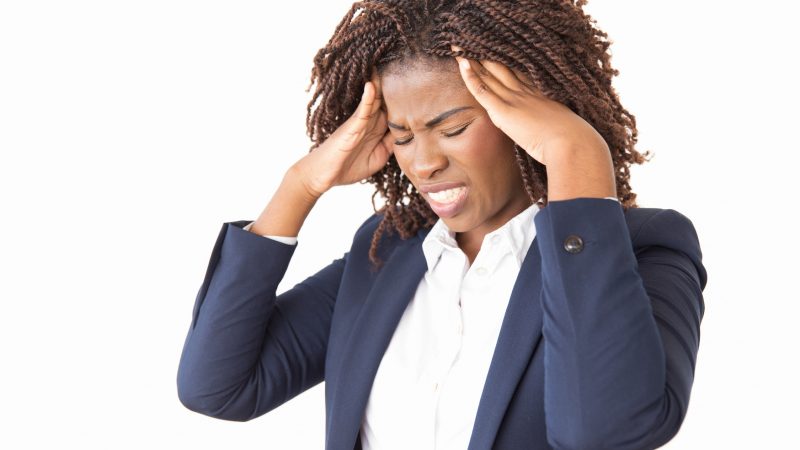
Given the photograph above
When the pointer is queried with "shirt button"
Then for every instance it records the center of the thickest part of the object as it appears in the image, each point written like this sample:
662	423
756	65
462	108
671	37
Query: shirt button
481	271
496	239
460	328
435	387
573	244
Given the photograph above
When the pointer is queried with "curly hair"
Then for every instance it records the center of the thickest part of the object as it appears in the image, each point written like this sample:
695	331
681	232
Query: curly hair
552	41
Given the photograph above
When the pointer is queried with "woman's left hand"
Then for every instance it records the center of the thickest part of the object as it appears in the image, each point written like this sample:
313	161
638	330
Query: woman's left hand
546	129
577	157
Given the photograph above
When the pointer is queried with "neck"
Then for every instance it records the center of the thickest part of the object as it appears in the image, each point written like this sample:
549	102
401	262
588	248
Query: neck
470	241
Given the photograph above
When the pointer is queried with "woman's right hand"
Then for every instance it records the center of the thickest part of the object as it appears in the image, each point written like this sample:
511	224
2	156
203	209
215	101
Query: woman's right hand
356	150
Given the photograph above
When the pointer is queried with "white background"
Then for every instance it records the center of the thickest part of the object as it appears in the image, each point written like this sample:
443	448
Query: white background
131	131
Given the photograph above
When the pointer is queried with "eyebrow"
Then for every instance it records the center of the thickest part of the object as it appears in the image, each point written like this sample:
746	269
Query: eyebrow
435	121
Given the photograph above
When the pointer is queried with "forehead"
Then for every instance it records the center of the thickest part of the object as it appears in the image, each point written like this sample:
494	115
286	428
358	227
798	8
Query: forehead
419	93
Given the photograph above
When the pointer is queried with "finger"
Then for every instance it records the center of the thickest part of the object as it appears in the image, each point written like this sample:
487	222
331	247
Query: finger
383	149
526	79
368	97
353	129
492	82
509	77
477	77
502	73
366	107
500	87
369	118
376	80
526	83
376	83
479	87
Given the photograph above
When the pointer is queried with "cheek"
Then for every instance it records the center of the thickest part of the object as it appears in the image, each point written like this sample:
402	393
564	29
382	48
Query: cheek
485	152
490	138
402	160
491	162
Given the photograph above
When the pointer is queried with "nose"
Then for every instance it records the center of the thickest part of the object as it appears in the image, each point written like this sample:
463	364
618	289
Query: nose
428	160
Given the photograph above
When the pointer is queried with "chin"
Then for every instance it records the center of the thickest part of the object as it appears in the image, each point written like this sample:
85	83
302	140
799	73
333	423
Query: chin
457	224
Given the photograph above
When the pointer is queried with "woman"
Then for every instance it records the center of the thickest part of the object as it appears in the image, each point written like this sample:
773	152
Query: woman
509	294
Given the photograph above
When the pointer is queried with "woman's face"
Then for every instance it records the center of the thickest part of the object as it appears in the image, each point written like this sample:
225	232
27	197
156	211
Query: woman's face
444	141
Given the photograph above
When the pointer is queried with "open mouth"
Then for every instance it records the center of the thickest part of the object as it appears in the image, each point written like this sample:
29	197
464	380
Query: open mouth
449	202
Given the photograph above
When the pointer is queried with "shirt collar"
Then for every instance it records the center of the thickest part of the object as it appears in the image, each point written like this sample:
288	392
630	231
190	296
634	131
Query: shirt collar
519	232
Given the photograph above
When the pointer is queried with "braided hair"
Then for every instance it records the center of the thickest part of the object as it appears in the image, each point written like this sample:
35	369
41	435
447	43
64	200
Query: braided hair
552	41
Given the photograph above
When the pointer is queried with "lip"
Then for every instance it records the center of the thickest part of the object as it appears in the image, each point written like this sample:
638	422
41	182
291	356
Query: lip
443	186
447	210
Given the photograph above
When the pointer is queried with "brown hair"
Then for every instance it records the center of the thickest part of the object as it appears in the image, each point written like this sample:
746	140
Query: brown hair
553	41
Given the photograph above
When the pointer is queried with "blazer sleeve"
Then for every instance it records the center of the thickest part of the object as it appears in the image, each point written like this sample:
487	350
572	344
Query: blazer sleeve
247	350
621	328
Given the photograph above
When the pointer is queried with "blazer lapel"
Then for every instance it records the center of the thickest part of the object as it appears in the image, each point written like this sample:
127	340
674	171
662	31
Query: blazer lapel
519	336
373	329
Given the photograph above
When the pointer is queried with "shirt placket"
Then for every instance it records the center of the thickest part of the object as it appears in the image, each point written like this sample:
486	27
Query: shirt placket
448	336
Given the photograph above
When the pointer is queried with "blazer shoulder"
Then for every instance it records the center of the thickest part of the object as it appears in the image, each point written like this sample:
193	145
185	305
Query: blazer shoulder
657	227
363	235
390	239
369	225
362	239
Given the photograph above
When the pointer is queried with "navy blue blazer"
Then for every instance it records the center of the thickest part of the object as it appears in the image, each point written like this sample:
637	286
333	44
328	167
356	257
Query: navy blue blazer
597	348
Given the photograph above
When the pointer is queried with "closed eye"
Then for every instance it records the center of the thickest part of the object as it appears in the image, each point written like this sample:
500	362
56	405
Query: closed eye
457	132
451	134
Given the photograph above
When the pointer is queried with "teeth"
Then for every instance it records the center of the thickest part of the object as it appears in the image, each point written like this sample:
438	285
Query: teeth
446	196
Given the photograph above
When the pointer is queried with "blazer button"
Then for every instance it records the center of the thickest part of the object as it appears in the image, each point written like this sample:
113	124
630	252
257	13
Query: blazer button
573	244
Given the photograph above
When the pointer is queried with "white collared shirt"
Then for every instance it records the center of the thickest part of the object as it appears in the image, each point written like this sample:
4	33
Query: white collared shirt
426	392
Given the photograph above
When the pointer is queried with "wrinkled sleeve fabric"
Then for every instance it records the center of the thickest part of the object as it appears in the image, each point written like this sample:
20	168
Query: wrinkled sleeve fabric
247	350
621	329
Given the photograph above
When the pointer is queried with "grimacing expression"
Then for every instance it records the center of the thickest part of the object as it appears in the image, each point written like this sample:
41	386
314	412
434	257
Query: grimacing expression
441	133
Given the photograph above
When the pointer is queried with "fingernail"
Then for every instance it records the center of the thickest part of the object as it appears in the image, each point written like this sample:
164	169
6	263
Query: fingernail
463	63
